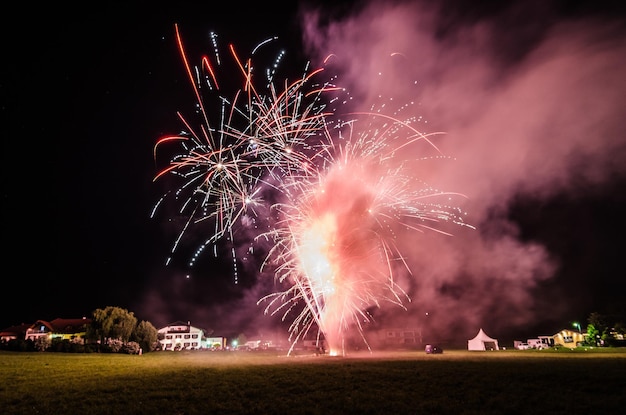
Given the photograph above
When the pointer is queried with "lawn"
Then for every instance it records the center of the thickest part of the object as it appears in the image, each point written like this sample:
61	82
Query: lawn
402	382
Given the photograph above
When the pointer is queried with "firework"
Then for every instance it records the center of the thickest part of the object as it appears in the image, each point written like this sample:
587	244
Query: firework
344	183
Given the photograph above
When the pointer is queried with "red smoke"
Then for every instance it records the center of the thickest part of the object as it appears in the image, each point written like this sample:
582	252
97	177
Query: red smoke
540	115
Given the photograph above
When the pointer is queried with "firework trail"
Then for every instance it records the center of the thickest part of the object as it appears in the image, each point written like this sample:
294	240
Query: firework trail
223	166
344	183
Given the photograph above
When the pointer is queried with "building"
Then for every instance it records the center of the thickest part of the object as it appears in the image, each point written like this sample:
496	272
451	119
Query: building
569	338
14	332
183	336
400	337
59	328
215	343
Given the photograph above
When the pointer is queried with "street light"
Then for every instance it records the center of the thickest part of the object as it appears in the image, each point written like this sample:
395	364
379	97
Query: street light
577	324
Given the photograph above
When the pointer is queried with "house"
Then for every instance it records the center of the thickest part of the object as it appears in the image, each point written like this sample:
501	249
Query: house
215	343
183	336
569	338
17	332
317	346
59	328
400	337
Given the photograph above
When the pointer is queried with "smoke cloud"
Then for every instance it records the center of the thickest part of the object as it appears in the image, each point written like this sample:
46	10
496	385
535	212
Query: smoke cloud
524	104
531	106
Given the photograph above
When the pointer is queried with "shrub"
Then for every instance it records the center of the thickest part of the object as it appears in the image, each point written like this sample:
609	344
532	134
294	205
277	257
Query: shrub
42	343
131	348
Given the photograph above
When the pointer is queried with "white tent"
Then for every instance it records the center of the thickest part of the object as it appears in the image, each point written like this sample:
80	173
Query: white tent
482	342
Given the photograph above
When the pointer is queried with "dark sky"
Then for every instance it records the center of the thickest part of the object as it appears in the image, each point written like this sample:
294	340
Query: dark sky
86	94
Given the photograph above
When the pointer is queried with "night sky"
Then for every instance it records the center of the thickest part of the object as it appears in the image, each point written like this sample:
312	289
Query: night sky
86	94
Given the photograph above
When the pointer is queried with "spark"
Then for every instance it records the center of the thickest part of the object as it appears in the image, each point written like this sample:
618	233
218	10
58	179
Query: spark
346	189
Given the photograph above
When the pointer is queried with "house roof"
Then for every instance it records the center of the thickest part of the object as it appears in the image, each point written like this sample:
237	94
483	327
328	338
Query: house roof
64	325
569	332
42	323
179	323
18	330
70	325
58	325
187	323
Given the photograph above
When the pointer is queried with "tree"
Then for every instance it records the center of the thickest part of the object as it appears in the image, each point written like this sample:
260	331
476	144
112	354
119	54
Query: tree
146	335
598	320
112	323
592	335
601	327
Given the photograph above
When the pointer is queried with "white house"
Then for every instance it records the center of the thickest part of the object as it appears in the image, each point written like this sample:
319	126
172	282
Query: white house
184	336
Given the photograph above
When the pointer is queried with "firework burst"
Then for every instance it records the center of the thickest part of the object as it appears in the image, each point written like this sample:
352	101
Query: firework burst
346	188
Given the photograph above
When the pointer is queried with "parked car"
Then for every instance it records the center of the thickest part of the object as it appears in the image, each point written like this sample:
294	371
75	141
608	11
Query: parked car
433	349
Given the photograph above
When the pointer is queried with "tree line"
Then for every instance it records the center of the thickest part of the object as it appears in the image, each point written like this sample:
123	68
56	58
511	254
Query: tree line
603	328
111	330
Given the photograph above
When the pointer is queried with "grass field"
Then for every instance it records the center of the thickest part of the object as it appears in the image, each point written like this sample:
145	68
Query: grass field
402	382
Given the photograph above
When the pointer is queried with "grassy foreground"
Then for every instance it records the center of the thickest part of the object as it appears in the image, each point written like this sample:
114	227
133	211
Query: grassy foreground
405	382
